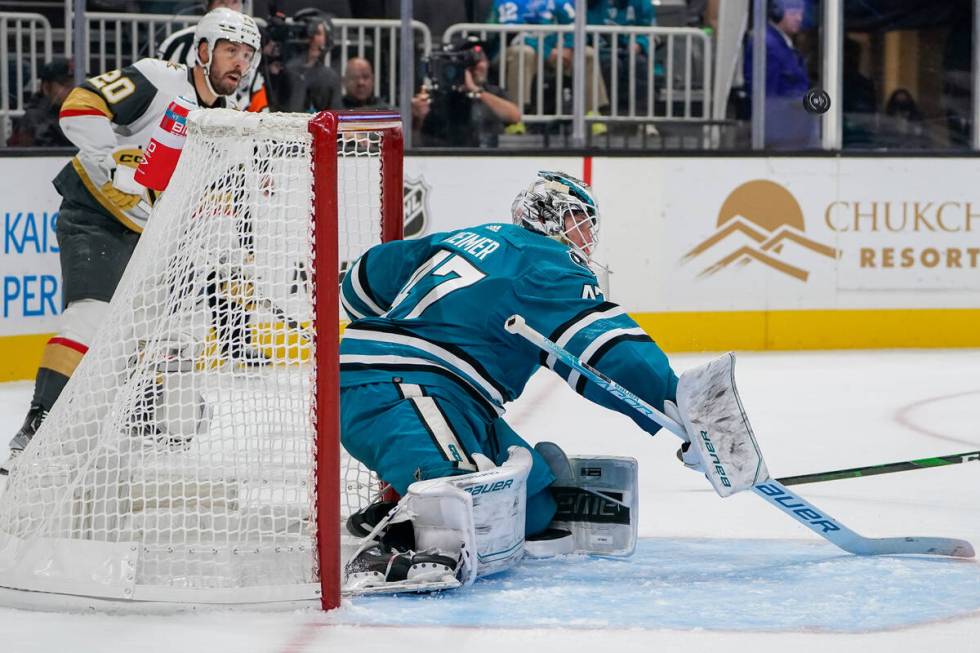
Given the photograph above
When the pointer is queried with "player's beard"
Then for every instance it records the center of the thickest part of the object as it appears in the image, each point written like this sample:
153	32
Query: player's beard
223	84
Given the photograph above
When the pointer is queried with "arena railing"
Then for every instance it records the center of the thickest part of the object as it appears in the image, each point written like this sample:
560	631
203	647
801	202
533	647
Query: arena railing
118	39
376	40
115	40
25	45
672	83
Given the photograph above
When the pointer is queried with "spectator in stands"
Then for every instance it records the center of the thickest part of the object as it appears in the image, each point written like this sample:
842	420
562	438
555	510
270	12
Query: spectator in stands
39	125
359	86
473	115
624	13
696	13
788	126
478	10
19	76
859	103
904	124
234	5
313	86
273	68
523	50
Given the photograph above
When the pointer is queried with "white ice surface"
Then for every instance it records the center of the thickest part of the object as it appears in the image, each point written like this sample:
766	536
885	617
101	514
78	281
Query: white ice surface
711	574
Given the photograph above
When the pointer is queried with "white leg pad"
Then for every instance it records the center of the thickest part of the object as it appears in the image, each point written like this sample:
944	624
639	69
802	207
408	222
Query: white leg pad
499	504
476	517
719	429
442	518
495	512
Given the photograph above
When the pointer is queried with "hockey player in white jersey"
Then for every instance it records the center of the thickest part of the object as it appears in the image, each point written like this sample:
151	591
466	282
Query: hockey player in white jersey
110	118
179	47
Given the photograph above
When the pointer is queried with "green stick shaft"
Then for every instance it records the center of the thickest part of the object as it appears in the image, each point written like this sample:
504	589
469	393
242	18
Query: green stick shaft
887	468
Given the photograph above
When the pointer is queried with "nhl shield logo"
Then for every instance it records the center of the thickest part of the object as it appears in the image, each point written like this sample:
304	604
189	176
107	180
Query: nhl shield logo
416	194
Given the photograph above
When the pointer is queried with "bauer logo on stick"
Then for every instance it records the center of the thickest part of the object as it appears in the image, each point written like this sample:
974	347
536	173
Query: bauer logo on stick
163	151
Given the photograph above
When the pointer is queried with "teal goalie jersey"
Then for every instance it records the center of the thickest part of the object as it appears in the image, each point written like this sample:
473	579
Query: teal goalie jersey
432	311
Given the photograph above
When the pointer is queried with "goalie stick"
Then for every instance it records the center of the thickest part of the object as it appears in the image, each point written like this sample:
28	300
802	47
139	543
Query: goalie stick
884	468
774	492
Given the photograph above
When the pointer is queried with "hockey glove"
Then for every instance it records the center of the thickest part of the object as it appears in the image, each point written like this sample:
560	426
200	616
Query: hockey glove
124	192
121	200
686	454
690	458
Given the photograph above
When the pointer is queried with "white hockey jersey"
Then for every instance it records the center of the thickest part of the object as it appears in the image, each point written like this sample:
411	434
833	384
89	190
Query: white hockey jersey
110	118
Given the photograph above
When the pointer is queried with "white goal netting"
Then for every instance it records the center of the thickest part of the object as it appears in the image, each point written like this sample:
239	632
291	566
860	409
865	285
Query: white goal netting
178	465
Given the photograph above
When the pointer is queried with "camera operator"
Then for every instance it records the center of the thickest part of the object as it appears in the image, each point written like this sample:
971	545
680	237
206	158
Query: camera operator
293	52
459	108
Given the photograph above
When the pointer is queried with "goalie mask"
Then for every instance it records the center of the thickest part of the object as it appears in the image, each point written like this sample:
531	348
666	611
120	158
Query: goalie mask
229	25
562	207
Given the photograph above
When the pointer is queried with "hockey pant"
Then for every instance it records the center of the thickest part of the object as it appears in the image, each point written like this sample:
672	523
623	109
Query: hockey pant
94	252
406	433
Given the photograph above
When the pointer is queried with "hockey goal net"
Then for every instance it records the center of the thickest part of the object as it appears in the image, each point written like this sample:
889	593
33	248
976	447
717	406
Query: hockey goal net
194	457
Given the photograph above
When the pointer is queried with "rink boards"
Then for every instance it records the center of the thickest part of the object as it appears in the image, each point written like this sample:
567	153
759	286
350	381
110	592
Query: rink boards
706	253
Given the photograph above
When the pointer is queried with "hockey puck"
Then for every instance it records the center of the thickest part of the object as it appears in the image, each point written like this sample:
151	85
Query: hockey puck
816	100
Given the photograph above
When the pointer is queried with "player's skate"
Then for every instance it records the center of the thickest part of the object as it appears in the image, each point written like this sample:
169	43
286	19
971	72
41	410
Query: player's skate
248	357
377	570
32	423
362	522
170	411
231	295
388	560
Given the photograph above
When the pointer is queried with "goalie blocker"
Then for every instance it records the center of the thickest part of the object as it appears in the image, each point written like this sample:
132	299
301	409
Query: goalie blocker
721	443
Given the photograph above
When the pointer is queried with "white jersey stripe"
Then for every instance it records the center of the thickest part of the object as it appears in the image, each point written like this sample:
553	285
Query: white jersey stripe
429	348
575	327
359	290
409	390
169	140
586	356
354	315
442	433
382	359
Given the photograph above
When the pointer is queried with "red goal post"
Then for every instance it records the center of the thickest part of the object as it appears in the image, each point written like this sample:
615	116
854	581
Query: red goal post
328	130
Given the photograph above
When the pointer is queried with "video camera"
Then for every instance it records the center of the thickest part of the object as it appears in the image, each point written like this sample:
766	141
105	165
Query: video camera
446	70
290	35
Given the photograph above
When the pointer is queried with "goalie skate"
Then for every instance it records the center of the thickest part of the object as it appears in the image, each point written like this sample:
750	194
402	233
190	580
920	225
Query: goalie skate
374	571
20	441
